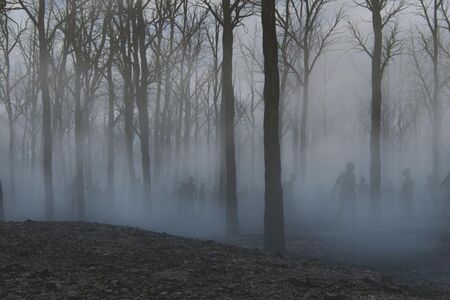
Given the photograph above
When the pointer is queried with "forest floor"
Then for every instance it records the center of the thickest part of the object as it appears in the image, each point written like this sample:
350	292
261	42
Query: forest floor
92	261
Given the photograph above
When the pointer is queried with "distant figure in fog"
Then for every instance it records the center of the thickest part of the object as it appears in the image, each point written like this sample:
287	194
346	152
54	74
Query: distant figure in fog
363	188
2	213
346	186
407	193
189	192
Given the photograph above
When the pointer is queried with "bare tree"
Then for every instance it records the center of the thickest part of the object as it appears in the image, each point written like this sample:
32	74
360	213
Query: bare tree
9	39
229	15
273	215
45	36
430	43
313	36
141	92
385	47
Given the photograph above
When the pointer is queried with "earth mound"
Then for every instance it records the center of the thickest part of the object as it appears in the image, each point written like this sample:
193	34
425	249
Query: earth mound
91	261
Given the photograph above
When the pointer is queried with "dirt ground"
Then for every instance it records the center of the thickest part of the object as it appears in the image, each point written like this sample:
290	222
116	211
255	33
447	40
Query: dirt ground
92	261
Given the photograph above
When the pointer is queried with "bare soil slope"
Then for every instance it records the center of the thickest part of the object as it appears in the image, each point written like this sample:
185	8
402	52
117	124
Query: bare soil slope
92	261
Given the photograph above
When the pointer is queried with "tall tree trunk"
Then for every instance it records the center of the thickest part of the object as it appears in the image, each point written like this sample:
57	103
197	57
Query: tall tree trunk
437	110
12	157
157	126
129	134
46	113
142	102
375	134
232	226
9	110
79	146
304	120
274	239
164	142
110	131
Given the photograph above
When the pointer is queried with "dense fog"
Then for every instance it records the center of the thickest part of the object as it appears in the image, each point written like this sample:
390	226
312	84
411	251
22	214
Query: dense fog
125	73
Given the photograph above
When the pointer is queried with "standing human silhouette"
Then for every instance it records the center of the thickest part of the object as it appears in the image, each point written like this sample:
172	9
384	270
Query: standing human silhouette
346	186
407	193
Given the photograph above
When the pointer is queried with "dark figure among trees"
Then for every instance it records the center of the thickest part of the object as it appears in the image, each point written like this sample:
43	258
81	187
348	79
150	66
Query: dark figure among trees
346	186
140	93
407	193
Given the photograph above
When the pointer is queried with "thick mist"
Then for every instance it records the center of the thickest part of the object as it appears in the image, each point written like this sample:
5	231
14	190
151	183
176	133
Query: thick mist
109	108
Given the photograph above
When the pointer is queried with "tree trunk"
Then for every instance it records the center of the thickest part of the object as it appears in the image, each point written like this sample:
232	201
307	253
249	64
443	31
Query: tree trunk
157	126
129	134
12	157
110	133
142	103
437	110
375	140
46	113
232	226
274	239
304	121
79	146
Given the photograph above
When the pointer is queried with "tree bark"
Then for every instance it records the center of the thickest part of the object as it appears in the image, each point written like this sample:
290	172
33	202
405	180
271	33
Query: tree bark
79	146
274	239
110	130
46	112
375	134
142	102
232	226
437	110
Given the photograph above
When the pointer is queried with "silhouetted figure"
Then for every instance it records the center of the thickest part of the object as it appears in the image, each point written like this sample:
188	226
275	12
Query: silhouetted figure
189	192
2	212
363	188
407	193
346	186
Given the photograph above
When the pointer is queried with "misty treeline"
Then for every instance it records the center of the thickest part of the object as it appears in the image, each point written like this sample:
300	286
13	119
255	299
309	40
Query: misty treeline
139	94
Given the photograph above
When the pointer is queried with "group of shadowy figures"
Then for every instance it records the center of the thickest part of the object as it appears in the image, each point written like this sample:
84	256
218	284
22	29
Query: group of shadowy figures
346	189
186	195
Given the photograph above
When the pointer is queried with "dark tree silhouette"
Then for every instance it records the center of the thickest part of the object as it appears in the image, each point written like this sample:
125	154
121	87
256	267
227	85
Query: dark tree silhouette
273	214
